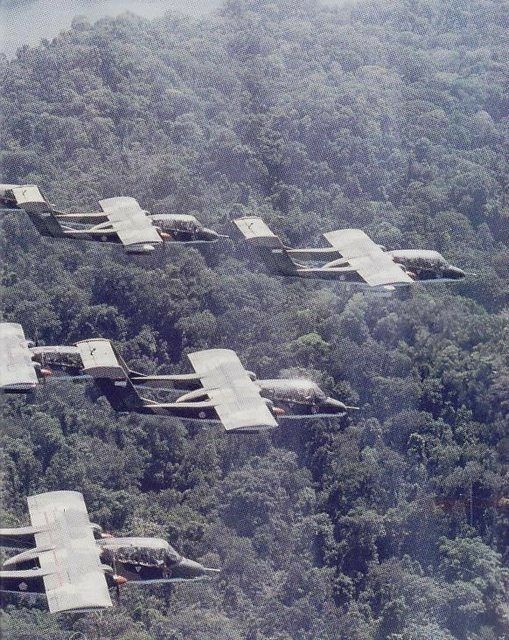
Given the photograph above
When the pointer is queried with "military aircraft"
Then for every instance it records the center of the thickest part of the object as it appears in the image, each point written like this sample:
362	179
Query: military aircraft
74	563
120	221
23	365
352	257
220	389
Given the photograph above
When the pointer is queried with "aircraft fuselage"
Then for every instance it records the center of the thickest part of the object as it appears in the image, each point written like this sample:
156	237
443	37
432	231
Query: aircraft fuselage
421	265
133	559
286	397
172	228
149	560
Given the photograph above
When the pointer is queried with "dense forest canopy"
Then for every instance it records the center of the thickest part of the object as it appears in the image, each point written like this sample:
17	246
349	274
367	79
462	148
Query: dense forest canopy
390	116
27	21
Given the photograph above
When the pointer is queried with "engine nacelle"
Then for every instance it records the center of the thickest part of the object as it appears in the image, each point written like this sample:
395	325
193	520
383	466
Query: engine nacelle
139	248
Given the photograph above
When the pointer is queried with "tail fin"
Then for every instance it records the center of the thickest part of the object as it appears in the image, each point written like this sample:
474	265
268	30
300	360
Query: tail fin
121	395
269	246
279	260
111	374
30	198
45	222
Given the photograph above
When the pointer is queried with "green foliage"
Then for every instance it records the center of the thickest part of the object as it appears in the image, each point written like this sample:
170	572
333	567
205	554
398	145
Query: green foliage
389	524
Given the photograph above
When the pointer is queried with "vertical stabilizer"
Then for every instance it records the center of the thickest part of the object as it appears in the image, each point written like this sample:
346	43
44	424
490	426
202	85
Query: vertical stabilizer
46	223
267	245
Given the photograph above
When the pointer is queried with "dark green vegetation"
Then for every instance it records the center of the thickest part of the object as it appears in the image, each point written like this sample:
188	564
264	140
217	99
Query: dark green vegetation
391	116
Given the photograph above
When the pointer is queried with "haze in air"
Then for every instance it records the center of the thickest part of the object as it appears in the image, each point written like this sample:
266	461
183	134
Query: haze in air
29	21
389	523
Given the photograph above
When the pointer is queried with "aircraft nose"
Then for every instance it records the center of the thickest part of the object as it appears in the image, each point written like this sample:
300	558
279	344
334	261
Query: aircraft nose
208	234
191	569
332	403
456	273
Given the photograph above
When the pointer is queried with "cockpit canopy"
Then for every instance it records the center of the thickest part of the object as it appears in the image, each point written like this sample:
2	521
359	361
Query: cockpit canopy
143	551
419	258
299	390
177	222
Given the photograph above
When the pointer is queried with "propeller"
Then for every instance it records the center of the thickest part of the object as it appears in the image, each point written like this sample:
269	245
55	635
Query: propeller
117	579
277	411
35	342
44	371
39	365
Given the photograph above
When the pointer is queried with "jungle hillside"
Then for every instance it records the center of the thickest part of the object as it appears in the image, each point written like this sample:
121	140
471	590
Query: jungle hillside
391	116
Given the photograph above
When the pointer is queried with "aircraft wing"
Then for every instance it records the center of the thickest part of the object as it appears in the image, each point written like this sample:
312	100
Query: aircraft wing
366	257
130	221
236	398
68	553
17	371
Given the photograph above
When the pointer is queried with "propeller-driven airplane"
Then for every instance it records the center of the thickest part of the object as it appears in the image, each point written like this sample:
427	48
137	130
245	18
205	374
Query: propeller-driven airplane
23	365
219	390
120	221
352	257
74	563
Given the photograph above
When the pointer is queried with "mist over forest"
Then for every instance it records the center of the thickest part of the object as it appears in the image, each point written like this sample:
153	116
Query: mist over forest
29	21
391	116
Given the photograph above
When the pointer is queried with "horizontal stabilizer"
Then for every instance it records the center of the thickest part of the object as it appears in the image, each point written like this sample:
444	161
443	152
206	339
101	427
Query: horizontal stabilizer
110	373
100	360
28	197
256	232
